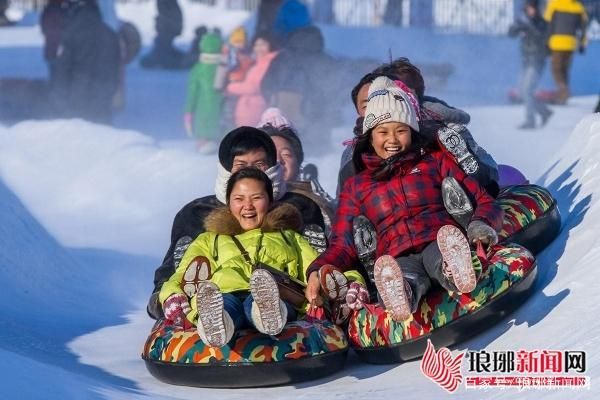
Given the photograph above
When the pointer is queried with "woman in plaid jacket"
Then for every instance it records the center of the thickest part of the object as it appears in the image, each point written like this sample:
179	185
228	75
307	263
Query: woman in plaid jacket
398	188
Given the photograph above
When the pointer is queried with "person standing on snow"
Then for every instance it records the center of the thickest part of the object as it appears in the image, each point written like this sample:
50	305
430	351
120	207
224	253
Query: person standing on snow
203	104
568	20
532	30
87	65
53	22
251	103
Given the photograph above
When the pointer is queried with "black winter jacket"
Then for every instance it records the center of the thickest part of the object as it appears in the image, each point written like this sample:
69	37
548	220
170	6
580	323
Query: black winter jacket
87	67
534	35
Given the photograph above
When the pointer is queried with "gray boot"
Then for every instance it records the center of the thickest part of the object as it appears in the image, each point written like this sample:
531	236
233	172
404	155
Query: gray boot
365	241
456	201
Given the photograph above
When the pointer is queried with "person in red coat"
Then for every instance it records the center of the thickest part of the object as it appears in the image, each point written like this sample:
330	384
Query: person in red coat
399	189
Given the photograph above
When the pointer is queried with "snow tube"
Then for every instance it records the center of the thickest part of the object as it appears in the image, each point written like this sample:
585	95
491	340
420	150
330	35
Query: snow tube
303	351
531	217
531	222
510	176
446	317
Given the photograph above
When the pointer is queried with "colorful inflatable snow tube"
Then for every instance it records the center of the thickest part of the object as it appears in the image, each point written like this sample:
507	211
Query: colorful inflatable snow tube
303	351
531	217
446	317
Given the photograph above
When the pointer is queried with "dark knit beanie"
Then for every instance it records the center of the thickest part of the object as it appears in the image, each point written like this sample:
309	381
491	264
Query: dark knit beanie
242	140
289	134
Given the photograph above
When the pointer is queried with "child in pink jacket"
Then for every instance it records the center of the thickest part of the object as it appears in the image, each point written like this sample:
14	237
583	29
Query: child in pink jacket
251	103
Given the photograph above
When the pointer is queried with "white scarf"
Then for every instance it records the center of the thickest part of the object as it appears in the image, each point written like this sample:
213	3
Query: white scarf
275	173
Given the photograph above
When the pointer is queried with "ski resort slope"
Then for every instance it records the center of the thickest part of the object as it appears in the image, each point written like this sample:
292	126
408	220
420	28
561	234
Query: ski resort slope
85	217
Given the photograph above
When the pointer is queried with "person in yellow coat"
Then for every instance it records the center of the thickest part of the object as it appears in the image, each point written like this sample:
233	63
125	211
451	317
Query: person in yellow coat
218	272
568	21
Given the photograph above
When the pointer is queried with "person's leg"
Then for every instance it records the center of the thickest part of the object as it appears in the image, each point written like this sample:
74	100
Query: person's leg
567	59
555	63
268	313
215	326
401	283
292	314
449	262
561	61
539	106
234	306
527	92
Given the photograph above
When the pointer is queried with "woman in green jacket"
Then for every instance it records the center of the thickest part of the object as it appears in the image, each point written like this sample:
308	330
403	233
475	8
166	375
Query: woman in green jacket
233	294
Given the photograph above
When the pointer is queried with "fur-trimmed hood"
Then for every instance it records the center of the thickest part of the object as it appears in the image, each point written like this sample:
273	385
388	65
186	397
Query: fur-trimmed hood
280	216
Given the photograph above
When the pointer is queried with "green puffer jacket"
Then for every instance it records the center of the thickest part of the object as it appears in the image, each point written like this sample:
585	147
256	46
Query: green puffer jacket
203	100
282	248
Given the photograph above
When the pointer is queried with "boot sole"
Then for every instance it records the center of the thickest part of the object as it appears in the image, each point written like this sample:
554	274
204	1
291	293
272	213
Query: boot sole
390	284
210	314
333	282
196	272
266	297
457	146
456	253
365	242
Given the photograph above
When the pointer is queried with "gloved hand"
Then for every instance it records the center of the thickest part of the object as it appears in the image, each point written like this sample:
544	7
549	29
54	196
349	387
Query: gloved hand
176	308
187	122
357	296
581	49
479	231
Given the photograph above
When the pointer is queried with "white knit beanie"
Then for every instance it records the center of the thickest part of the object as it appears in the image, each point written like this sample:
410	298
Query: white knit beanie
387	102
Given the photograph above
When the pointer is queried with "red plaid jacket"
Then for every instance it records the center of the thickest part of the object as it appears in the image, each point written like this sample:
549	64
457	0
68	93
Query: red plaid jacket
407	210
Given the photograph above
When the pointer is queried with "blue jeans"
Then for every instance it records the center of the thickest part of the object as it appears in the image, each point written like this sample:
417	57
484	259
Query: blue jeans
240	310
530	76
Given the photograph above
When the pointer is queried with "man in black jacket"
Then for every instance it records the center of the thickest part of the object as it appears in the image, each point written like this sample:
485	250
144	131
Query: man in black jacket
299	81
242	147
533	31
87	65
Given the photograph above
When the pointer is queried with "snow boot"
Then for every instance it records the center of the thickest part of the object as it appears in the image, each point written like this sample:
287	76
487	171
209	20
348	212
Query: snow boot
180	247
333	282
394	290
450	138
196	272
456	201
457	265
215	326
365	241
315	235
269	312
